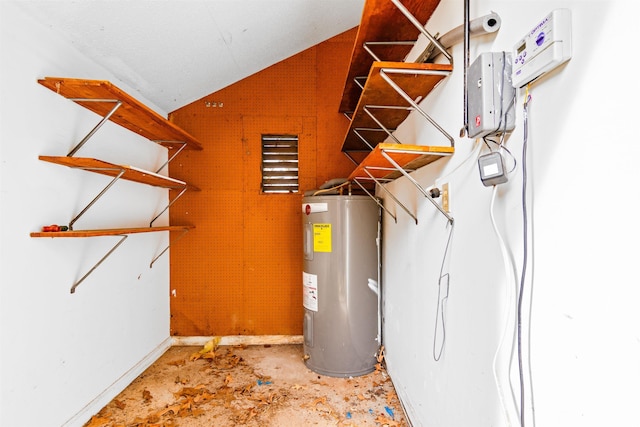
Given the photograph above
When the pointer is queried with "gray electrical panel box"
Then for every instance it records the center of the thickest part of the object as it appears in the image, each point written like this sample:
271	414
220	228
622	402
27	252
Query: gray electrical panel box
490	95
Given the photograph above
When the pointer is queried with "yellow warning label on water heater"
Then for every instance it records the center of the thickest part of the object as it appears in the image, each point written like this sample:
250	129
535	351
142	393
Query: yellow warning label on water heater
322	237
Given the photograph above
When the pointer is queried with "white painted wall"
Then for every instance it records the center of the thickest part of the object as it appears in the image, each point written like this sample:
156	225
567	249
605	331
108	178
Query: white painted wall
583	209
60	352
64	356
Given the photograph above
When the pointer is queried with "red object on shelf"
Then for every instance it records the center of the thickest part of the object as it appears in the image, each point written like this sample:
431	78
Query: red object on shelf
55	227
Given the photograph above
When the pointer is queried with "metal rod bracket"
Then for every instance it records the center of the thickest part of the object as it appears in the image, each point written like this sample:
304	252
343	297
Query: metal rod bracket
98	126
395	199
417	185
95	199
122	239
183	145
185	231
421	28
184	189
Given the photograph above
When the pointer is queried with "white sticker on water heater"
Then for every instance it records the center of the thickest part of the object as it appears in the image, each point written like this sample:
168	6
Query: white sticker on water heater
310	291
309	208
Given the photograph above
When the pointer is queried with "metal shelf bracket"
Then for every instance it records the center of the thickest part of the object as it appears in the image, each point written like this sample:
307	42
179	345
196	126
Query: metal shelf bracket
95	199
369	109
99	125
122	239
422	30
182	144
367	47
417	185
169	205
380	183
387	173
118	104
386	73
184	232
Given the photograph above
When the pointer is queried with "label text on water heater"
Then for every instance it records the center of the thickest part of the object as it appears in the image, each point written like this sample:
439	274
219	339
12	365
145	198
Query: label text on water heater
322	237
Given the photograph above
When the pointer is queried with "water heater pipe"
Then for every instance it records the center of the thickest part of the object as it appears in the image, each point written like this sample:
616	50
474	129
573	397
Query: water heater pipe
465	127
487	24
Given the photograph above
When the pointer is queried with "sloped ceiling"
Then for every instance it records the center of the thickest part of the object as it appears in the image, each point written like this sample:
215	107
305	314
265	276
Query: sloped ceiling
177	51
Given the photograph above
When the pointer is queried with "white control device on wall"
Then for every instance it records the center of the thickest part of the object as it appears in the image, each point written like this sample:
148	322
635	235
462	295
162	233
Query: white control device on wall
545	47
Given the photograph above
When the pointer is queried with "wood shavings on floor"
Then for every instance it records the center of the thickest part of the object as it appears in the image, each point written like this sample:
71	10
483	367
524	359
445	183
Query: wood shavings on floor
249	386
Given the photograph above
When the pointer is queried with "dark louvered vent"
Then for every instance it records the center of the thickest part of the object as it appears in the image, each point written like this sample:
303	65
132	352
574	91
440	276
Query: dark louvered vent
279	163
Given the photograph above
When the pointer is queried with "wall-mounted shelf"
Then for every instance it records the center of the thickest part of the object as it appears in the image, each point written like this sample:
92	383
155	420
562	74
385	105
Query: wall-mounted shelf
382	90
117	172
131	173
388	162
110	231
384	31
112	104
379	94
391	92
120	232
100	96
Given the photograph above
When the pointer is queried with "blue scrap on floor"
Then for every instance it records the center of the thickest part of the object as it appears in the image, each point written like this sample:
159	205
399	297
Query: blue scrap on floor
389	411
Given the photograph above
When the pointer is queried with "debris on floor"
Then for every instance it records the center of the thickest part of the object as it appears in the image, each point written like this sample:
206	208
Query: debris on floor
250	386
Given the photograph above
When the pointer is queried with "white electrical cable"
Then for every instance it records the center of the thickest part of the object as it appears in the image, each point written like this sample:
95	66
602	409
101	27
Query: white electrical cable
522	361
509	321
378	287
441	303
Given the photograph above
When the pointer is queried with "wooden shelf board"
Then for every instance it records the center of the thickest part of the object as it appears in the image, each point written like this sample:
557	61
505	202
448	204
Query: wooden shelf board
110	231
409	157
378	92
111	169
132	114
382	21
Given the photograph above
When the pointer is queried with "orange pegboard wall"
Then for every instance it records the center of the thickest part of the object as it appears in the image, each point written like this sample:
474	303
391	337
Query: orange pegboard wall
239	271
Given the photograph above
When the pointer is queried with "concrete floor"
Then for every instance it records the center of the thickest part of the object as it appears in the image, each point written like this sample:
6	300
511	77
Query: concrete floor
249	386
